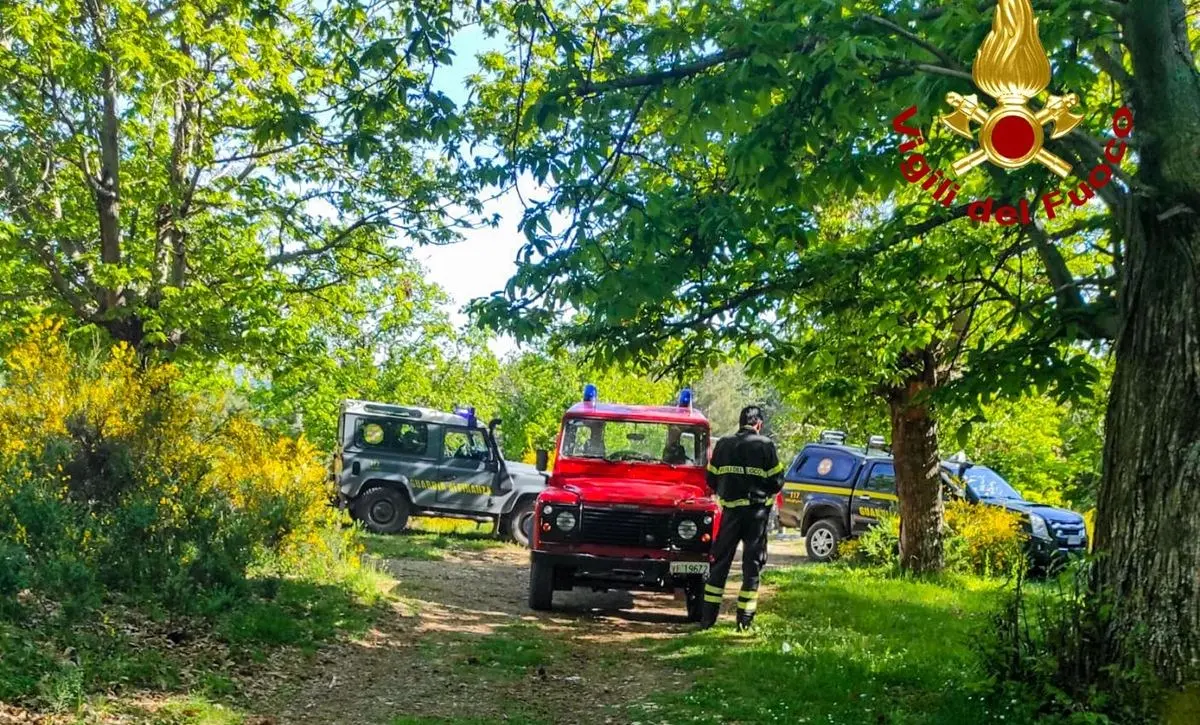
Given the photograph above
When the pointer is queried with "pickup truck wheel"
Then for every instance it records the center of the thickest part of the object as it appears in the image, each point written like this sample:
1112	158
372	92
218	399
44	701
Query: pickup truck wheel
520	523
822	539
541	586
383	510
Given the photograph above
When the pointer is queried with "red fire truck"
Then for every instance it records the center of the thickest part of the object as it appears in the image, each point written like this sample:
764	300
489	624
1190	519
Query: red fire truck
627	505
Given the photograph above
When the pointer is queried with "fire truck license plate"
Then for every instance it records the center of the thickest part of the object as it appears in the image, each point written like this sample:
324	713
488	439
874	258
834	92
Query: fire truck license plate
689	567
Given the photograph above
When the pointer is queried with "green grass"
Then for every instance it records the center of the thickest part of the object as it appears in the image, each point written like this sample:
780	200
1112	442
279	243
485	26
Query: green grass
60	663
838	645
434	541
509	653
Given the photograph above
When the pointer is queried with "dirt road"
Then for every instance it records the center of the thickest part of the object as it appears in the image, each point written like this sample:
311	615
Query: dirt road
462	645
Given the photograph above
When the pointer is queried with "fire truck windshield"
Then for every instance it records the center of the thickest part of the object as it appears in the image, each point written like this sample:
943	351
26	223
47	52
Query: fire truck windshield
634	441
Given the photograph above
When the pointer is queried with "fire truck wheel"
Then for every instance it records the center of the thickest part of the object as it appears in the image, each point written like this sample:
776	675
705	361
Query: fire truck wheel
520	523
383	510
822	539
541	586
694	595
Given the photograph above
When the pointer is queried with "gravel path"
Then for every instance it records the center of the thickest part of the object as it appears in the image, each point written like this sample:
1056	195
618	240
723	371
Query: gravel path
422	661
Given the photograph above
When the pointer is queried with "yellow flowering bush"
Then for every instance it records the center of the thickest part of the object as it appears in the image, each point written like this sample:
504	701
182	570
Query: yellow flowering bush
978	539
112	479
982	539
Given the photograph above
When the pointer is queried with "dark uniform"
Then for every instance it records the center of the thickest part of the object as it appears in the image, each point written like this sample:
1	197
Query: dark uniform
746	474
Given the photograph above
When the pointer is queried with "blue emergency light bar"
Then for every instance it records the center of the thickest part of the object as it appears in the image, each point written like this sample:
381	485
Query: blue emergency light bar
685	398
589	393
468	413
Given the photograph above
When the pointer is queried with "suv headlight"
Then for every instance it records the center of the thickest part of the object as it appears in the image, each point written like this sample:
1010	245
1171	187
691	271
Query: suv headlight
565	521
1037	527
687	529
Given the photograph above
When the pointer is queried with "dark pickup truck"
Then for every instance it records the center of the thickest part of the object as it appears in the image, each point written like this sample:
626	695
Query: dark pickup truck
832	492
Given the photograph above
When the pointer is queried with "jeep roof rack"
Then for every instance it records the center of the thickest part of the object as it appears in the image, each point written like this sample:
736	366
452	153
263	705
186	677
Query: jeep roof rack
393	410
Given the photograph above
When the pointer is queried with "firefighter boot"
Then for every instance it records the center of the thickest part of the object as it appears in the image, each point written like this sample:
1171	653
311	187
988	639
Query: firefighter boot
745	620
708	615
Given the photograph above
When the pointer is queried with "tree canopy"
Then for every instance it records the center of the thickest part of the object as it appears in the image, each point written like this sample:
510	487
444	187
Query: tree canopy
203	177
702	160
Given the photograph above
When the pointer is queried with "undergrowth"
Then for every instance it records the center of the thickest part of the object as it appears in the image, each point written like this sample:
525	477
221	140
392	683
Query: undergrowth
148	533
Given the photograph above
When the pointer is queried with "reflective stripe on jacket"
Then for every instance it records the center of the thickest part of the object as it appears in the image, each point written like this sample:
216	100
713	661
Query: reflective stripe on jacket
745	469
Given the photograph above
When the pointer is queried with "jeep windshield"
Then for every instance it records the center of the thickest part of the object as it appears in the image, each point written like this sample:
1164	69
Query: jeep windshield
983	482
634	441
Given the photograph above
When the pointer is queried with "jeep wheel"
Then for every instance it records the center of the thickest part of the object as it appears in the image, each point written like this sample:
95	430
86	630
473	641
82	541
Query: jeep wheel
822	539
694	595
541	586
383	510
520	523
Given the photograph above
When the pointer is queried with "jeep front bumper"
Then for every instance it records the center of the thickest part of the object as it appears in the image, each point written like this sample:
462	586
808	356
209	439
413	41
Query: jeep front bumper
611	572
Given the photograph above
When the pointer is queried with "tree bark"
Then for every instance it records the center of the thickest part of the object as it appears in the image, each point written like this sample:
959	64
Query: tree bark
108	184
918	479
1148	520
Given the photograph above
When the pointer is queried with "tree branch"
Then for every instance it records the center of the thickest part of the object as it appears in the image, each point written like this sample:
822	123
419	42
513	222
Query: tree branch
940	54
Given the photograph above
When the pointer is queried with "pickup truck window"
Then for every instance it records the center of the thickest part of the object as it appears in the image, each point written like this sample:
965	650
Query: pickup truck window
882	479
825	465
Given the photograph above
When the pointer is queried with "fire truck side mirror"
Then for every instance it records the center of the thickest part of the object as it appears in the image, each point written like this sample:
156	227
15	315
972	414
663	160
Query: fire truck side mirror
543	459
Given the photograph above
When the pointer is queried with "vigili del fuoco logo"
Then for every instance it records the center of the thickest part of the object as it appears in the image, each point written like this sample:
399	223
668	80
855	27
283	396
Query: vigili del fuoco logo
1012	67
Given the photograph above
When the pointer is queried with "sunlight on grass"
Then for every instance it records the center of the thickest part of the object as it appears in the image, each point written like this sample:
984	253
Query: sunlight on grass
837	645
431	539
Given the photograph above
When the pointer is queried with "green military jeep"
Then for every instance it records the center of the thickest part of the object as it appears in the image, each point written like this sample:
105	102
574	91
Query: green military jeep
395	461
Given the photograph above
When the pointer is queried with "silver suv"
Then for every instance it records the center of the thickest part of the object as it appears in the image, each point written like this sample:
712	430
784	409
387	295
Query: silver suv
394	461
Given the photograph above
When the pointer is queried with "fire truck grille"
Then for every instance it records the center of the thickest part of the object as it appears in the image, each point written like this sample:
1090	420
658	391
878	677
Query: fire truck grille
625	528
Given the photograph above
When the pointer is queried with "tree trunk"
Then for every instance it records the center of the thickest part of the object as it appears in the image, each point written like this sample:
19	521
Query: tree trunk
108	183
1148	522
918	478
1148	519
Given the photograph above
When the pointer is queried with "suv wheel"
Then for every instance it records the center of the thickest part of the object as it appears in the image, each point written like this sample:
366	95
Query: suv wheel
520	523
541	586
822	539
383	510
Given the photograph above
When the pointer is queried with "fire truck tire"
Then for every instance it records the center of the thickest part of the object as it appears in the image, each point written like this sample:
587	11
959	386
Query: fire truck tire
383	510
541	586
821	541
519	523
694	596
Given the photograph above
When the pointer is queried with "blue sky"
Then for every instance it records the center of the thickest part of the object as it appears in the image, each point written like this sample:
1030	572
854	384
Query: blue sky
485	260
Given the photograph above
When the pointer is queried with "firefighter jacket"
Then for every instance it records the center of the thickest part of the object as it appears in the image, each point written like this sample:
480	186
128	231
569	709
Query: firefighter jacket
745	469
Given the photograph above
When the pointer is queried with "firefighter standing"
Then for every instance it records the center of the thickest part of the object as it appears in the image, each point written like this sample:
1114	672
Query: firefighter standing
746	474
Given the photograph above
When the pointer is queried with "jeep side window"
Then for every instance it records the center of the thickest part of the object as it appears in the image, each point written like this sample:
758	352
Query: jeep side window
399	437
463	445
882	479
825	465
411	438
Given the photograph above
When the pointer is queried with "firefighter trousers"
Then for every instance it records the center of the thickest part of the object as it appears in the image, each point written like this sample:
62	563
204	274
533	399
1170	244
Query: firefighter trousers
745	524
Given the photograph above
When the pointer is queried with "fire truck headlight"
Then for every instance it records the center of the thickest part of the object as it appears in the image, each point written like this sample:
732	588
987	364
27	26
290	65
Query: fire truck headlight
687	529
565	521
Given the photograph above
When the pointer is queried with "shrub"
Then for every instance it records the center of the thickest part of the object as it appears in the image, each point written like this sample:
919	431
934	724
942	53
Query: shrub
879	545
978	539
1043	647
113	479
986	540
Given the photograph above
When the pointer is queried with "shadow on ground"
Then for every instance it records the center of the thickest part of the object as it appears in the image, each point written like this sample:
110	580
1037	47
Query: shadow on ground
462	646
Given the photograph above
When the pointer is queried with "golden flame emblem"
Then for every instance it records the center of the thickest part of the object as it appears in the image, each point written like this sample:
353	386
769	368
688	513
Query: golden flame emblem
1012	68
